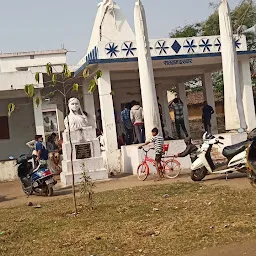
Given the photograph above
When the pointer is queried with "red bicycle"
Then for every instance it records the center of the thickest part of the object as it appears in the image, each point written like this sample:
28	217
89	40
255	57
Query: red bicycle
170	168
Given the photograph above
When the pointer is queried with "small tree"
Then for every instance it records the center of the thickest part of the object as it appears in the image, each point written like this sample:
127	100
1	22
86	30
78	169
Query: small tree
62	83
86	187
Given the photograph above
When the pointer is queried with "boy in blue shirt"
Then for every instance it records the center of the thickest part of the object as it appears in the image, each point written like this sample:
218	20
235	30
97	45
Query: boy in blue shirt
42	152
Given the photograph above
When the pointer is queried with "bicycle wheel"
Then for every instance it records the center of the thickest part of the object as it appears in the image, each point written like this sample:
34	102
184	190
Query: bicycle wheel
142	171
172	169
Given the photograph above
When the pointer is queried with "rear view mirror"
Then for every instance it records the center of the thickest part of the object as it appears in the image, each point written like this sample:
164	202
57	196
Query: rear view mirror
221	138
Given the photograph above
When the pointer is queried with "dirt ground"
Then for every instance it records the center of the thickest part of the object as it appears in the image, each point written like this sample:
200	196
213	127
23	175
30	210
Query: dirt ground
11	195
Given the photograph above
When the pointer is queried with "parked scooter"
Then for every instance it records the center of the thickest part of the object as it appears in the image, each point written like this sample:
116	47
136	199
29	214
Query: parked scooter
38	180
251	157
203	165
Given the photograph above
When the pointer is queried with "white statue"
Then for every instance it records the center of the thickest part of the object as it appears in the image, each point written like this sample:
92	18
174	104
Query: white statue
77	119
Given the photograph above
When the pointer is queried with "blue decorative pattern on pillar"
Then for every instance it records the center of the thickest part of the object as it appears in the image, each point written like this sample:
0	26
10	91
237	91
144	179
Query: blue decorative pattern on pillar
111	49
237	43
162	47
218	44
190	45
176	46
205	44
129	48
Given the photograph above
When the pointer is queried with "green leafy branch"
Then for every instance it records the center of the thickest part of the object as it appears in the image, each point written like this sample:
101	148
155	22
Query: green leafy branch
62	78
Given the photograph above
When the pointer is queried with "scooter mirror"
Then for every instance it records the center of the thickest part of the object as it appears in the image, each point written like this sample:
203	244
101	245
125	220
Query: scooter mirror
221	138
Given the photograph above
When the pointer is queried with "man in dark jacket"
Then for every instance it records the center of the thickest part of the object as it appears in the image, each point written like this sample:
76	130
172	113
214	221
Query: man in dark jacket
206	117
190	150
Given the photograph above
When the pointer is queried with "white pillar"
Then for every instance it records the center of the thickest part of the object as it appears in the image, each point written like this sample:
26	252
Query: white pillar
165	109
247	93
209	97
107	111
38	114
147	81
234	111
181	91
89	106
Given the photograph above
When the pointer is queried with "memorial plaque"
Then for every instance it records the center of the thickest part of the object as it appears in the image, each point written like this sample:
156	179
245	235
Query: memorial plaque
83	151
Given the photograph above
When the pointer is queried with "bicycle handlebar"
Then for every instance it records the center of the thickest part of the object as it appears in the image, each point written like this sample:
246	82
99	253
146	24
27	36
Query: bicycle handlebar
146	151
164	156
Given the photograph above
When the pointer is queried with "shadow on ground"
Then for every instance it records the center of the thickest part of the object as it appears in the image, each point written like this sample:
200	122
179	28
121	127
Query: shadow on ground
5	199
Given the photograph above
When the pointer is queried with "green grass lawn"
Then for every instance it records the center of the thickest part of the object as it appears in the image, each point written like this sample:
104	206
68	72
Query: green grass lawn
192	217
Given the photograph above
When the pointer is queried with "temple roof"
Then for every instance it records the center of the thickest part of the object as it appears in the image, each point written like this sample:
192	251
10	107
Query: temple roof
110	25
113	41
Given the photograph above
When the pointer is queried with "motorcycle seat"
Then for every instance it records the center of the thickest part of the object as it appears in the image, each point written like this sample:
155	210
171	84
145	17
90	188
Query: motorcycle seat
231	151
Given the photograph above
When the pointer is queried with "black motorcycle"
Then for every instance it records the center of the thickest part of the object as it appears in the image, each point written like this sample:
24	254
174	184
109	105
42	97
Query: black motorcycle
38	180
251	157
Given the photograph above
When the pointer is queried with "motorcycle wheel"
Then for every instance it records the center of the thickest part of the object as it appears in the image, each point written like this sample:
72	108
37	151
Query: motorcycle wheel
49	191
28	193
252	179
198	174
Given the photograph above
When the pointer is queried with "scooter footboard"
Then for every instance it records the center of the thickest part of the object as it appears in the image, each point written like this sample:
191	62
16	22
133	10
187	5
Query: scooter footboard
197	164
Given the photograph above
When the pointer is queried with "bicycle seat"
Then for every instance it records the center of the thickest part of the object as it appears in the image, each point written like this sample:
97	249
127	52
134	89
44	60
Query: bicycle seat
165	148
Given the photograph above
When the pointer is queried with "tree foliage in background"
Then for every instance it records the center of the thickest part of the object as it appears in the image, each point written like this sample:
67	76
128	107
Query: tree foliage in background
243	14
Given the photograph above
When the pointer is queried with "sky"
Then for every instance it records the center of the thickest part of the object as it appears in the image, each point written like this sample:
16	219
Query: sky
45	25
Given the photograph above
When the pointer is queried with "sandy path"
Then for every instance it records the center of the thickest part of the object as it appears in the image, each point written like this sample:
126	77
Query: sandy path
11	193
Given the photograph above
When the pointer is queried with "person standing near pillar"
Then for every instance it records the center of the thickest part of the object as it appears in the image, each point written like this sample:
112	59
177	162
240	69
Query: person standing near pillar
206	117
161	116
177	105
42	152
137	120
99	120
126	120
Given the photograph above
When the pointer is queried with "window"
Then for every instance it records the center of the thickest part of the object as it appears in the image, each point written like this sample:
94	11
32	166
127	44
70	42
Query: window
4	128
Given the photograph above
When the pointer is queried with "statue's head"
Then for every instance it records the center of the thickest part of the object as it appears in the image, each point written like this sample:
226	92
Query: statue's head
74	105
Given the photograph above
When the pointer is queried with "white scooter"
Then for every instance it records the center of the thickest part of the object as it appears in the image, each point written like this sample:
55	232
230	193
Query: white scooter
203	165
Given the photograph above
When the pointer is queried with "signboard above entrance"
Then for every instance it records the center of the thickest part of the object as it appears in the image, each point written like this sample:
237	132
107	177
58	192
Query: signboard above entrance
178	62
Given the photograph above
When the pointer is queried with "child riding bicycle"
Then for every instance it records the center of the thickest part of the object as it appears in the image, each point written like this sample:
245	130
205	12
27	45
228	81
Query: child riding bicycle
158	146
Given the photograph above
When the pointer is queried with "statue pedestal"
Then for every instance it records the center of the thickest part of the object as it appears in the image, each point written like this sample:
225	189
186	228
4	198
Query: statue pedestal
86	156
